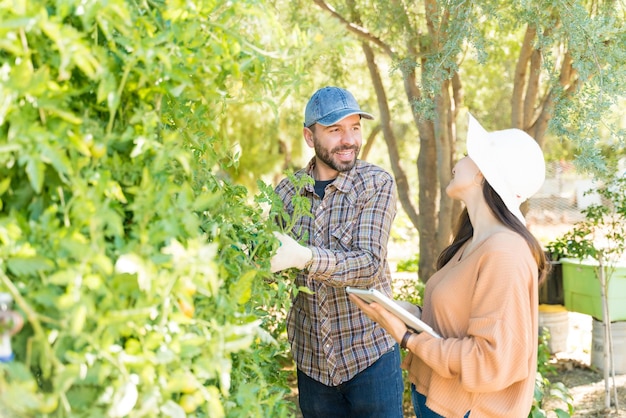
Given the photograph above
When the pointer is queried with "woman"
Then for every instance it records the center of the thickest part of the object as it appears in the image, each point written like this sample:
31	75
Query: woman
483	299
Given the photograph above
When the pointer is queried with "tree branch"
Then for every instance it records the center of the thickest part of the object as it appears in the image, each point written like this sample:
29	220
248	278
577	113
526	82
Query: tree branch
360	31
532	88
370	141
457	96
569	82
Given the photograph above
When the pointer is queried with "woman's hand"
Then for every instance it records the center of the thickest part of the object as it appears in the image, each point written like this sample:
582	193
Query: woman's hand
382	317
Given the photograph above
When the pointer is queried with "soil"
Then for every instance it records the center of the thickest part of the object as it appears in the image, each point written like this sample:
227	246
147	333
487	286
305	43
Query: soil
587	387
585	382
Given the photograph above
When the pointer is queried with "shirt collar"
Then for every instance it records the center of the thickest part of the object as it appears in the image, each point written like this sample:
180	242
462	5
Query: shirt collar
344	180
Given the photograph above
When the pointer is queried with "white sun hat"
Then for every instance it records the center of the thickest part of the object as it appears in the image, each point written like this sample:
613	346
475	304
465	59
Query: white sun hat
511	161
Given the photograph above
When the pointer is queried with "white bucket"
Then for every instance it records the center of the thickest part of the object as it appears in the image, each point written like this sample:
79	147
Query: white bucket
555	319
618	333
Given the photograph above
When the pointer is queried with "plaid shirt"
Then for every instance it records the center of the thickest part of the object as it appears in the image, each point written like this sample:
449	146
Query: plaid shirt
331	339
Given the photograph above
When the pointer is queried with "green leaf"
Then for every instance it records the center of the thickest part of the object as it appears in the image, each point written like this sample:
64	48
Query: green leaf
35	171
243	287
29	266
7	148
561	413
62	277
4	185
58	160
106	87
21	75
66	377
172	410
63	114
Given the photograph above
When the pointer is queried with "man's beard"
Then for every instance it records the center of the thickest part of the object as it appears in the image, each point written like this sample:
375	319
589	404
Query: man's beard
326	156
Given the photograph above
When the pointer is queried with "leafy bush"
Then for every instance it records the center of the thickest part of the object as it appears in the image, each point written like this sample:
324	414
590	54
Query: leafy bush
410	264
544	389
131	255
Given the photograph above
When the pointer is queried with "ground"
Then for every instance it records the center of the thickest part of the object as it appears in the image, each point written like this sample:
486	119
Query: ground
585	382
587	388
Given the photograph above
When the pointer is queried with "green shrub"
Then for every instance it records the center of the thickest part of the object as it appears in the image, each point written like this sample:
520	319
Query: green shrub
544	389
131	255
411	264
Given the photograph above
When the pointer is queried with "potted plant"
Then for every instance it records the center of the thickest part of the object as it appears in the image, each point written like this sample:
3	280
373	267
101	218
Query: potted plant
597	243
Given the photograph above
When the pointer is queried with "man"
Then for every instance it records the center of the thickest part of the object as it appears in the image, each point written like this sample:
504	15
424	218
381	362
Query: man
346	364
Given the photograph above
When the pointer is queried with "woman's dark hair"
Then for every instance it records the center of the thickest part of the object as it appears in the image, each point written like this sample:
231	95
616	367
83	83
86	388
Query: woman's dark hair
464	231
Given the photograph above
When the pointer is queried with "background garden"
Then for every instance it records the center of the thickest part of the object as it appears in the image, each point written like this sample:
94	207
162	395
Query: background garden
140	142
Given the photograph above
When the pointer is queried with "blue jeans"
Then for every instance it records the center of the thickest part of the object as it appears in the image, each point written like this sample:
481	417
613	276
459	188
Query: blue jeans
375	392
419	405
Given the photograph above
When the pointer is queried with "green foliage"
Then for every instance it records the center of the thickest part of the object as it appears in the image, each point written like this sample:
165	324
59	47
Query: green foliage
595	42
544	389
602	234
410	290
132	256
411	264
300	203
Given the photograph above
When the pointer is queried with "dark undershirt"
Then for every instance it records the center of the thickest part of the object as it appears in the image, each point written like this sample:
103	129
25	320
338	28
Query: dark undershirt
320	187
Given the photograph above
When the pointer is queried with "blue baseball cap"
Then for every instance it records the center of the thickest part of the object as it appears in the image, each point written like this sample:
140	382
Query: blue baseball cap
329	105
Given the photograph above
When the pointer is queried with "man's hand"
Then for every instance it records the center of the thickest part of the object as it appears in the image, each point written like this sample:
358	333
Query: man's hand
289	254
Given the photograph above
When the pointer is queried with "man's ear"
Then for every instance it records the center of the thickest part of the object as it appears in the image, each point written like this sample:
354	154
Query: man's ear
308	136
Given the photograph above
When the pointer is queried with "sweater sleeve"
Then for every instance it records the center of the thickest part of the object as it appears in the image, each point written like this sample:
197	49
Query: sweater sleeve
493	351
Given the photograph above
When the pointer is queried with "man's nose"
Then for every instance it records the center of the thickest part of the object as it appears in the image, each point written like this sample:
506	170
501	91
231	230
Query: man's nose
349	138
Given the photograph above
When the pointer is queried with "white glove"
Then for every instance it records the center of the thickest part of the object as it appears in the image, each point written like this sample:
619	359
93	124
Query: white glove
289	254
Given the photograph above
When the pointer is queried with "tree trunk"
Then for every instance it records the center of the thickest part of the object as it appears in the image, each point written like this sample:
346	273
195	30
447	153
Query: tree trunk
402	184
520	78
609	367
369	143
445	133
437	136
429	185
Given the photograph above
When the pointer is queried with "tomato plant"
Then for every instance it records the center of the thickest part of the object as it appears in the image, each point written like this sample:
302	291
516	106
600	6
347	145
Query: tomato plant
125	246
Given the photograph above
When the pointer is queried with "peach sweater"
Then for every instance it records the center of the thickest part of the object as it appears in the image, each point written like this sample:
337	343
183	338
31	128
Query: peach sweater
486	308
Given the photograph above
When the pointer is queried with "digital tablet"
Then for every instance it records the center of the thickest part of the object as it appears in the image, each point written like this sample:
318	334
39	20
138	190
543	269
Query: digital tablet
411	321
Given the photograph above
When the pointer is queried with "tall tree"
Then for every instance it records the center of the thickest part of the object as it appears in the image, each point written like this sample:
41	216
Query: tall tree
569	63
